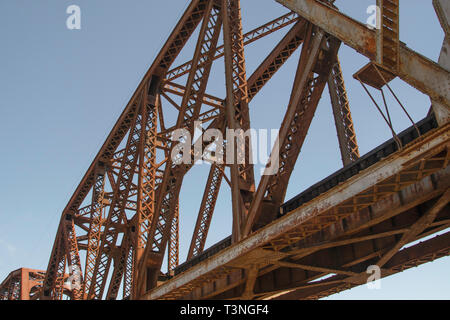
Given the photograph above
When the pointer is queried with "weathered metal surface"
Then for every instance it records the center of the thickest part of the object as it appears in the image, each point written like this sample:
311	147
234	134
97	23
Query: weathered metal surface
364	211
342	116
443	11
357	187
366	229
418	71
22	284
305	96
388	34
249	37
442	8
414	256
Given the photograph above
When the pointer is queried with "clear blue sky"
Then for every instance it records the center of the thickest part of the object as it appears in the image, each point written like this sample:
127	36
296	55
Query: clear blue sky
62	90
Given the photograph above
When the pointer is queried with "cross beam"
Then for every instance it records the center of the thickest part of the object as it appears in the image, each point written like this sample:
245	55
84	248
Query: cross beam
415	69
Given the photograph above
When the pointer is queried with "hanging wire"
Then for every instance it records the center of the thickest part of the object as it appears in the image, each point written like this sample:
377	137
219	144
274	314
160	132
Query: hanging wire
387	109
388	121
398	100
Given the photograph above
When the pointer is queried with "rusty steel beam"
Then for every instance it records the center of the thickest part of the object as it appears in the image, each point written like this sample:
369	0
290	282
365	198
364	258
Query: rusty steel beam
417	228
250	37
179	90
167	200
273	62
120	255
146	198
442	9
367	229
95	226
353	258
388	34
173	252
22	284
164	60
441	112
128	277
56	268
415	69
206	210
116	219
237	115
405	200
393	173
139	184
342	116
276	59
72	255
311	78
413	256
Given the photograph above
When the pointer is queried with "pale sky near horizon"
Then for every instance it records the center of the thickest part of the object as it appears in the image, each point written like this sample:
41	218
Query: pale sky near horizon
61	91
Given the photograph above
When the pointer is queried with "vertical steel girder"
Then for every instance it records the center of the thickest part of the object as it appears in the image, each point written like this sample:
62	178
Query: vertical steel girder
442	9
388	35
242	175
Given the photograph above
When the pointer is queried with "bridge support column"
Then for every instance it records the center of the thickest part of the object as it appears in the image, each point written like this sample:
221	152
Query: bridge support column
442	8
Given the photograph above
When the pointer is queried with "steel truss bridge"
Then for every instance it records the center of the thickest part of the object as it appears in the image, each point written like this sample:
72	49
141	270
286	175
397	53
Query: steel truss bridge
122	221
